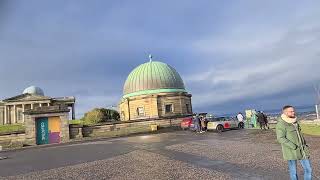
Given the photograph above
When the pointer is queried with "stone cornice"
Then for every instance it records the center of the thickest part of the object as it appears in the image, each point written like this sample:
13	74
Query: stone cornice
47	110
26	97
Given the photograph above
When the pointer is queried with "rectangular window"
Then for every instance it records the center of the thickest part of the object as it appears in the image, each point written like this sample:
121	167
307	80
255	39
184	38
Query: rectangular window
140	111
169	108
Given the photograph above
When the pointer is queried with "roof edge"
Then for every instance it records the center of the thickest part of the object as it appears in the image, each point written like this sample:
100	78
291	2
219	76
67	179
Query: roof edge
152	91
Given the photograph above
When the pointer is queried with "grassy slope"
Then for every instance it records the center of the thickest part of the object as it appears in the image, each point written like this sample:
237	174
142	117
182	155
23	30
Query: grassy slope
11	128
309	129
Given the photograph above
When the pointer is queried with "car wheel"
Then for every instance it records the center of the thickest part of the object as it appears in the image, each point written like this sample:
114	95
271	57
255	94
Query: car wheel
241	125
220	128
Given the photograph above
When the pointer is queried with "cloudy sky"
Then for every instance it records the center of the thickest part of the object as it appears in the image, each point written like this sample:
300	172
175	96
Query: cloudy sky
232	55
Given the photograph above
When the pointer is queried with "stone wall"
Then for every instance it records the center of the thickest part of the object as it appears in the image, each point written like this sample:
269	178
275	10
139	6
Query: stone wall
30	123
75	131
121	129
17	140
154	106
47	111
148	103
10	141
178	102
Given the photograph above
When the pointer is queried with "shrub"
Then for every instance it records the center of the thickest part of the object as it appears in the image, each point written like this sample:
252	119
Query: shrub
99	115
94	116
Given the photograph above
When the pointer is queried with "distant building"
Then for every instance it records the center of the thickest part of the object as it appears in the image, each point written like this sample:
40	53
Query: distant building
154	90
11	109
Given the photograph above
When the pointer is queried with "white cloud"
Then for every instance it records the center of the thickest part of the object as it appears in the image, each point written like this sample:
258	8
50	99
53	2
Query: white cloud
258	65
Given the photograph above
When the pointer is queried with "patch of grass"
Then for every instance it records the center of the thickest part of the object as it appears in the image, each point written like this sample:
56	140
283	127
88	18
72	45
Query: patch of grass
310	129
272	126
8	128
76	121
81	122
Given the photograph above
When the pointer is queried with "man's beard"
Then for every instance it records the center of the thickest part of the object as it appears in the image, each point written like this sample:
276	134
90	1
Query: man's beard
291	116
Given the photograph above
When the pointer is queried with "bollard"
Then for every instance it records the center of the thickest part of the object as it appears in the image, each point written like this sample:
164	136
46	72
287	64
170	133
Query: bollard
154	127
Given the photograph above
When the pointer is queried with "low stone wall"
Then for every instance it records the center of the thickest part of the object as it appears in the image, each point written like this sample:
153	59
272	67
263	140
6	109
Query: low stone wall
18	139
120	128
11	141
75	131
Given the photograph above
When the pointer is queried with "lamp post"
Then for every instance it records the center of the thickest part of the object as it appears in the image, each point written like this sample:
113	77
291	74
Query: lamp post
317	111
317	89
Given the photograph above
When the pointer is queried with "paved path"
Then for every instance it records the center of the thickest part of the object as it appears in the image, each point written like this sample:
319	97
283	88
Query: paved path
236	154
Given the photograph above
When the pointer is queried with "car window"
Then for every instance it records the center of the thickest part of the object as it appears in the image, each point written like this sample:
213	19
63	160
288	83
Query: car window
220	119
212	119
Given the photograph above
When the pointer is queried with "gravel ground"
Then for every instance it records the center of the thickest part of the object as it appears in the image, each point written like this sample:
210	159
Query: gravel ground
135	165
255	149
236	154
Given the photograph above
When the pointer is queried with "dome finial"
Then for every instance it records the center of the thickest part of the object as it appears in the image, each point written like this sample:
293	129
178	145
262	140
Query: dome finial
150	57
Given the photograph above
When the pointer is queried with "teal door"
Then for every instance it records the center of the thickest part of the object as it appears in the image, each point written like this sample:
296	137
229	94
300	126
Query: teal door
42	130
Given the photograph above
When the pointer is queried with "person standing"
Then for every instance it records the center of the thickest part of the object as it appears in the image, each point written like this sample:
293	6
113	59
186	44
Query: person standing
240	117
203	125
260	118
265	118
197	123
294	147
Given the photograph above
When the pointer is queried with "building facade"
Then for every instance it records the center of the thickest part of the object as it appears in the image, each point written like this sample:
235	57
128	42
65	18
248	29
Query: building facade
154	90
12	109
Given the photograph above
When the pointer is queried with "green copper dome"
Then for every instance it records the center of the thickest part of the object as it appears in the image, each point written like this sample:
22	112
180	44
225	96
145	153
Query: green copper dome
153	77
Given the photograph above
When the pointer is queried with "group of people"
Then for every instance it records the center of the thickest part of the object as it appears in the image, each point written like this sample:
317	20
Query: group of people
258	116
288	131
262	120
200	124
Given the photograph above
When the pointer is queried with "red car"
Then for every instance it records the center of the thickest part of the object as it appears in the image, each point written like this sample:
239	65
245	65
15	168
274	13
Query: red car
185	123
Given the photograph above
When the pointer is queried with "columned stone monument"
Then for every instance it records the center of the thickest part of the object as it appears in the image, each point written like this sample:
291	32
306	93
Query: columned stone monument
12	109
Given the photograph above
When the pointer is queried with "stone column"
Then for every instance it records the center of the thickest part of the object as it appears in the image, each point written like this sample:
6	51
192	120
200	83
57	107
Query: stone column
31	105
23	109
14	114
48	104
73	112
5	115
40	104
181	108
9	118
129	115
